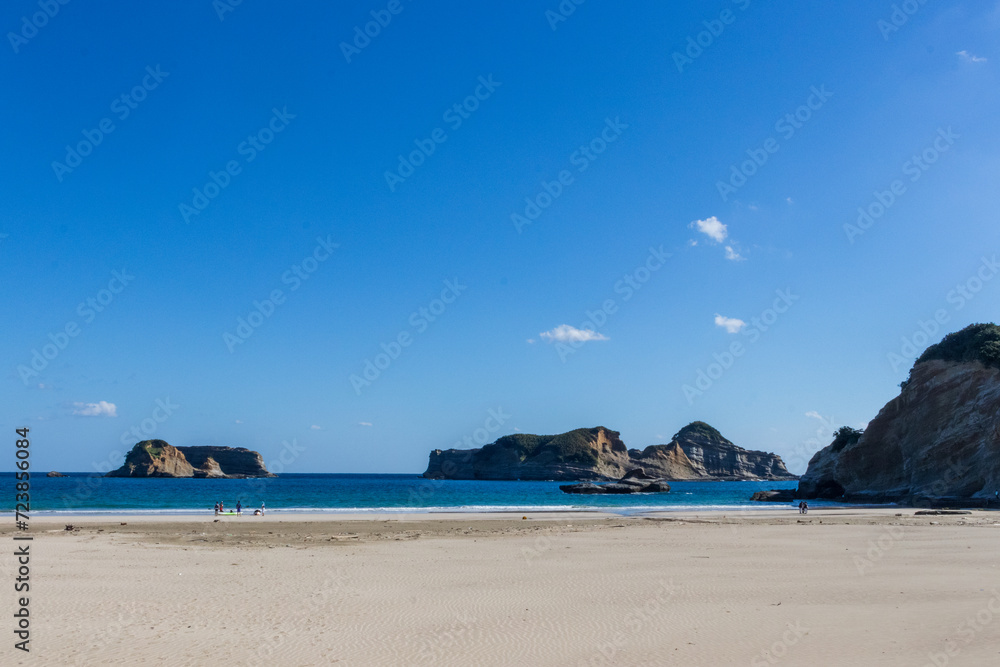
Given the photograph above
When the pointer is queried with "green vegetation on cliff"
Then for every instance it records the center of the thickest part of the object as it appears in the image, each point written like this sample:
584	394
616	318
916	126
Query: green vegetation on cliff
976	342
572	447
695	429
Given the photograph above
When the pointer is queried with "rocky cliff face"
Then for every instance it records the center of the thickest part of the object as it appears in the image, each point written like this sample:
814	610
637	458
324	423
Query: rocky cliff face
156	458
698	451
935	443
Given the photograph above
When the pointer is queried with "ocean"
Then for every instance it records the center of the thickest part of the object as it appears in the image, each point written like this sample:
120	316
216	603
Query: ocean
83	493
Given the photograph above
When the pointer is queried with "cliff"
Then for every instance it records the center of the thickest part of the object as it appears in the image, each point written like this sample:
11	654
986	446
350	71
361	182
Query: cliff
156	458
938	442
696	452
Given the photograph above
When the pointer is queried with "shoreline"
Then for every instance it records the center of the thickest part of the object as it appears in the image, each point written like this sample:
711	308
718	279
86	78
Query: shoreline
766	513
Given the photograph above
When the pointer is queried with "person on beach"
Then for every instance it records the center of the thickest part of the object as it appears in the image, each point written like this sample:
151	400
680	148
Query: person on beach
239	508
262	509
216	509
222	507
803	507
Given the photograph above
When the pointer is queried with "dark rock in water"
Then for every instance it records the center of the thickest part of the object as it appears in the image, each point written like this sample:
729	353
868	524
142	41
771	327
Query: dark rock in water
156	458
624	485
940	512
775	496
55	474
936	444
696	452
585	488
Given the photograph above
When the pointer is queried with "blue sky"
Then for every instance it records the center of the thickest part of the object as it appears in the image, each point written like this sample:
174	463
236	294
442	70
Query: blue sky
635	217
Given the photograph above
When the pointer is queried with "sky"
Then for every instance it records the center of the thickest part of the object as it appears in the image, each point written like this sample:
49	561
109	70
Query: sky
346	234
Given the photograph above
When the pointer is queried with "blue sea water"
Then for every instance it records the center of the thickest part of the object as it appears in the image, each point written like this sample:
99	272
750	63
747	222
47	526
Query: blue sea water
83	493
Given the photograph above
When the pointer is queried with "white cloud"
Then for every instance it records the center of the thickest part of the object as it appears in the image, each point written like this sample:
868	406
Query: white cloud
730	324
815	415
564	333
315	428
239	421
531	341
99	409
712	228
364	423
970	57
732	254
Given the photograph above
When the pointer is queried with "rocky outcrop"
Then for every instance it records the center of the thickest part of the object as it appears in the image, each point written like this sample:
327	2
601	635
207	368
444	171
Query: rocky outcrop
937	443
634	481
696	452
55	474
156	458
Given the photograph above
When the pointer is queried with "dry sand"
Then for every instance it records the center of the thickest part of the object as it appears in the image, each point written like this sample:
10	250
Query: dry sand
836	587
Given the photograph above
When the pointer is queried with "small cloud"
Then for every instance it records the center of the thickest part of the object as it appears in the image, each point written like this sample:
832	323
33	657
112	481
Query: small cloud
364	423
517	429
564	333
814	415
732	254
315	428
692	243
531	341
969	57
99	409
42	385
789	200
730	324
239	421
712	228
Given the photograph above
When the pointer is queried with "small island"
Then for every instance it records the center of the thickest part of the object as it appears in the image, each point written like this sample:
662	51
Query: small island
157	458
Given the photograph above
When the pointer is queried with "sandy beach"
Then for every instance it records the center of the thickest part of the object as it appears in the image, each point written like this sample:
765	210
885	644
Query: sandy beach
835	587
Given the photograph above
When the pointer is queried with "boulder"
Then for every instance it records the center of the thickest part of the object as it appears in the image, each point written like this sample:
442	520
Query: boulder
622	486
55	474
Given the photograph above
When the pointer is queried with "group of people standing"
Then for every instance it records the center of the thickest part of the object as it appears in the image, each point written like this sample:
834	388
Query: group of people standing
221	509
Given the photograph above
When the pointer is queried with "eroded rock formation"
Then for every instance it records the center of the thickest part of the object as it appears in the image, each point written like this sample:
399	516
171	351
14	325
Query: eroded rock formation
156	458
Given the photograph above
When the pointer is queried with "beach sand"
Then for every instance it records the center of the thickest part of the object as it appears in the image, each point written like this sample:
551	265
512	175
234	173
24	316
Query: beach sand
835	587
